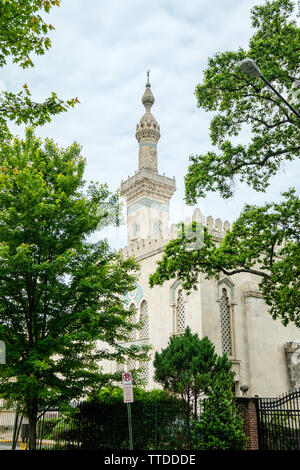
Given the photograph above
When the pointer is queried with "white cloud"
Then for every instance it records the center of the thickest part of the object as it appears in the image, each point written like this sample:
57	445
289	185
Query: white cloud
101	51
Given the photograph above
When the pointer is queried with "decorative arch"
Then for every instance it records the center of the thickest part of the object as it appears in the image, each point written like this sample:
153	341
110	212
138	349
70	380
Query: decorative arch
134	296
228	284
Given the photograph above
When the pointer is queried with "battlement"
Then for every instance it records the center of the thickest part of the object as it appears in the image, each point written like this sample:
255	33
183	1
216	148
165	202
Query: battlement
142	247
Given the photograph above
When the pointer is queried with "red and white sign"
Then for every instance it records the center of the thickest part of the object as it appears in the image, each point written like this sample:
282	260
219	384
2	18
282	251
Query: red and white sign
127	387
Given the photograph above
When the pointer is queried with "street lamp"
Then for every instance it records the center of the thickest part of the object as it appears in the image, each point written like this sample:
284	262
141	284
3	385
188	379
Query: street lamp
249	66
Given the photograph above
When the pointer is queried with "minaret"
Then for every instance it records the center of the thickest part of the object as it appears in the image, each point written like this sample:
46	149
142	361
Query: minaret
147	133
148	193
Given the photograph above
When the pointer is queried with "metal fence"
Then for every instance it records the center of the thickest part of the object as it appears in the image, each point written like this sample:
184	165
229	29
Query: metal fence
155	426
279	422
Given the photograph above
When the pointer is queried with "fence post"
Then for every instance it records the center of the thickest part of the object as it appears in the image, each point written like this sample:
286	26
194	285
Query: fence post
248	409
13	446
129	426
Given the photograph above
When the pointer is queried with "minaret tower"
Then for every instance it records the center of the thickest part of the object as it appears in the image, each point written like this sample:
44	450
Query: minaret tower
148	193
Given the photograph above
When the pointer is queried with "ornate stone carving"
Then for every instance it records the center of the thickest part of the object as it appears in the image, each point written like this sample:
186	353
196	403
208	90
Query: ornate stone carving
292	350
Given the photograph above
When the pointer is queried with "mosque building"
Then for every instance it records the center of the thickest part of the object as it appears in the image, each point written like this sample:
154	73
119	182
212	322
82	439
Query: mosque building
265	355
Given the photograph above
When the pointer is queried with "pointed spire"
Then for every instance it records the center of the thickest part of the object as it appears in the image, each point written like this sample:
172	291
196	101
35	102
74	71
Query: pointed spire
148	98
147	132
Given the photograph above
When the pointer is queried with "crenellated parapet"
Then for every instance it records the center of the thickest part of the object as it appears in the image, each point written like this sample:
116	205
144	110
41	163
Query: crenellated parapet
148	246
144	247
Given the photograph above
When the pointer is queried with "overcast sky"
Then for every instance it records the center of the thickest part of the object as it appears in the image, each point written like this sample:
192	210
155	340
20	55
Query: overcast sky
100	52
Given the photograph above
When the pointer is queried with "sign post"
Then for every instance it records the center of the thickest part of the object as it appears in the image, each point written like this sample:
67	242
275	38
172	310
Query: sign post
128	398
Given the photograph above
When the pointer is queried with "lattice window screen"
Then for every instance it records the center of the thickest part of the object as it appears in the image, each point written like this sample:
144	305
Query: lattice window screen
120	367
225	323
144	371
180	312
144	332
131	364
133	333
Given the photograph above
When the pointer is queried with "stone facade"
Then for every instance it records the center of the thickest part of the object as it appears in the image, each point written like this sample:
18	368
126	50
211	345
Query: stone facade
230	311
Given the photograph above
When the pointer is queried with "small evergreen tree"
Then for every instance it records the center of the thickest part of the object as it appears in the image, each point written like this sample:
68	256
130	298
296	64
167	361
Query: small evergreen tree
219	426
187	367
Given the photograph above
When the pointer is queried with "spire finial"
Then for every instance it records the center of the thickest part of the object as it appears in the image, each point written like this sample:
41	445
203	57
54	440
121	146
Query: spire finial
148	74
148	98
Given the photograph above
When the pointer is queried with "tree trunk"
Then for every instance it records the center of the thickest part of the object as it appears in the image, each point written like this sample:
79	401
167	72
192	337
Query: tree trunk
195	405
32	431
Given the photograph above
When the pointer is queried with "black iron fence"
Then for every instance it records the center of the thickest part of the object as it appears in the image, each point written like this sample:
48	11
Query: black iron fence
279	422
155	425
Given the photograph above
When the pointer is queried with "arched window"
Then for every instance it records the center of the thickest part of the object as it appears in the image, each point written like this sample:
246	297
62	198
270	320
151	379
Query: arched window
144	332
180	312
225	323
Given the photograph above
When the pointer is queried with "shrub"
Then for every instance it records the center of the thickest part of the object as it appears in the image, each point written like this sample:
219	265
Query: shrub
101	422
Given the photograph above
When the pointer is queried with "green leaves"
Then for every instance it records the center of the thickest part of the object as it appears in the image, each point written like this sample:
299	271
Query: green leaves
188	366
219	426
243	102
60	295
23	32
263	241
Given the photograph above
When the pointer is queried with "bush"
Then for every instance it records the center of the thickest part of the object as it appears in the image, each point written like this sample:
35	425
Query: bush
220	425
101	422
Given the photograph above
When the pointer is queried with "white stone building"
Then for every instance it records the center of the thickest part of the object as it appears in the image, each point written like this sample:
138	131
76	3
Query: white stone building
231	312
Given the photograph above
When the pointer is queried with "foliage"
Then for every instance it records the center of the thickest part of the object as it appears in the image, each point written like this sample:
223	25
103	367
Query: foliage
60	295
101	421
46	427
23	31
219	426
187	367
263	241
243	102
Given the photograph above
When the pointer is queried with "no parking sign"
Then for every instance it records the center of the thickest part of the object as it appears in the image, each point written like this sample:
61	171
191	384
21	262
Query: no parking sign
127	387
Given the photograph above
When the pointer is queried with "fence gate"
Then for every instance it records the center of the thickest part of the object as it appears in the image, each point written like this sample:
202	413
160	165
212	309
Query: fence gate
279	422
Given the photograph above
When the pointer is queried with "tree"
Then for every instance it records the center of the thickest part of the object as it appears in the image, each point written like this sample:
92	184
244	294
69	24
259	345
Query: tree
240	102
23	31
187	367
264	241
60	295
220	425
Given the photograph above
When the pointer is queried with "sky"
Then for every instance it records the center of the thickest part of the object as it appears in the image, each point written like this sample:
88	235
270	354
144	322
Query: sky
100	53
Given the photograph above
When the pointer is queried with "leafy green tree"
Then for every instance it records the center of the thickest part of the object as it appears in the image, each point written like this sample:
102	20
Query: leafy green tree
243	102
23	32
187	367
263	241
220	425
61	308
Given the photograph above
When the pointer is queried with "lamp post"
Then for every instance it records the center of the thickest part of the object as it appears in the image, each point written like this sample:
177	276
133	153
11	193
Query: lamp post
249	66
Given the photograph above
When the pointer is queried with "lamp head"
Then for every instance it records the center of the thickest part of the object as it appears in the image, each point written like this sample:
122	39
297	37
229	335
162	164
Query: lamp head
249	66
